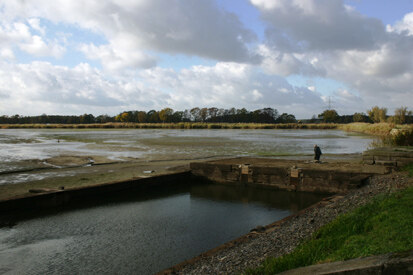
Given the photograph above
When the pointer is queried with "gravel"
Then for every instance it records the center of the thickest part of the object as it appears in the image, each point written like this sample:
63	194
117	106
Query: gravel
283	236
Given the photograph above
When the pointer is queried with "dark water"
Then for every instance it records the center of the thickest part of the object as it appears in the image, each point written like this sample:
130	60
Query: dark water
141	234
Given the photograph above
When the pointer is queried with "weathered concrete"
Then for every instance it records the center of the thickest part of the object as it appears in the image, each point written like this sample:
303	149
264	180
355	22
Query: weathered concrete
292	175
55	198
389	156
392	263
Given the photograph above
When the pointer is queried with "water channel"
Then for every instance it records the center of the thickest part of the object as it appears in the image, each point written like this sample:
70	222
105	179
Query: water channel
137	233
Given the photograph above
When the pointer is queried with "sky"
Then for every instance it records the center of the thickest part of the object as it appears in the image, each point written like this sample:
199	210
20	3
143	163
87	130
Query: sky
298	56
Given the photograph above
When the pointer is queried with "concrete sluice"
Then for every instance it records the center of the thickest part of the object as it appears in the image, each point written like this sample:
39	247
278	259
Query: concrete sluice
242	173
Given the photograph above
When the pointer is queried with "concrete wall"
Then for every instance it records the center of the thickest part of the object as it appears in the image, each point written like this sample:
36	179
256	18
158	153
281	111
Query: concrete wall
60	198
390	156
292	179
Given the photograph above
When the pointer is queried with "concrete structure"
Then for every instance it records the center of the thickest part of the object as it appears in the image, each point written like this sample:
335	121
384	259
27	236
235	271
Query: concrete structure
59	198
389	156
291	175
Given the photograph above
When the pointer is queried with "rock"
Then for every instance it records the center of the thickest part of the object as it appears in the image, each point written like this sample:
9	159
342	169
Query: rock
258	229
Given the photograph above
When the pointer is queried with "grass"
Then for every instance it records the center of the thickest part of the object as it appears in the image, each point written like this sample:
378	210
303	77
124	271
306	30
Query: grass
382	226
409	169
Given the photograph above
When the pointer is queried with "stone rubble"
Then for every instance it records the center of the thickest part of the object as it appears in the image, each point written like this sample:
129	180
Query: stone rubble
284	237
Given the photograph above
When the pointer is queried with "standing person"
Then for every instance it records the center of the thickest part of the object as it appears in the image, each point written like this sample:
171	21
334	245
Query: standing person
317	153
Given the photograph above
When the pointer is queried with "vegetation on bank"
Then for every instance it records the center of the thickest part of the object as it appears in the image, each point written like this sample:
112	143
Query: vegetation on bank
390	134
409	169
382	226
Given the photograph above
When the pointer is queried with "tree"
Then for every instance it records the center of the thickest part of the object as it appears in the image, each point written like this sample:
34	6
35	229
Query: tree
329	116
195	114
142	117
286	118
212	113
177	116
123	117
166	114
377	114
400	115
360	117
87	118
153	116
203	114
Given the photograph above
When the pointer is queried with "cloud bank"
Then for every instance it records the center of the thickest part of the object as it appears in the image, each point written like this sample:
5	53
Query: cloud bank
370	62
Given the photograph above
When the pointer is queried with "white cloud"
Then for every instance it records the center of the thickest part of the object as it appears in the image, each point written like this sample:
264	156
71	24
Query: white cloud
319	25
40	87
35	24
115	58
310	38
328	39
6	53
288	63
403	26
18	34
36	46
256	95
176	26
228	85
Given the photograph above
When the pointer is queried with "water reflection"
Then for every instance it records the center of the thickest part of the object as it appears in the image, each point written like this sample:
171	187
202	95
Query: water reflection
292	201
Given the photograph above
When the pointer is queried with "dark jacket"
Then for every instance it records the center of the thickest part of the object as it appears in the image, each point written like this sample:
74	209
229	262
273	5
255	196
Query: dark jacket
317	151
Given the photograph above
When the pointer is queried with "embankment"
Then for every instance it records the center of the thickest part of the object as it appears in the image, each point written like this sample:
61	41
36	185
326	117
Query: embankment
282	237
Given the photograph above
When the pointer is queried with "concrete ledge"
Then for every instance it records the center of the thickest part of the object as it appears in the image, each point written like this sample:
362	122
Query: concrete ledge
60	198
389	156
392	263
287	174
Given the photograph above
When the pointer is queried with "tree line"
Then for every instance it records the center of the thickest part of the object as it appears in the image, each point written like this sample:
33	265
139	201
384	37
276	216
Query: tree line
166	115
216	115
374	115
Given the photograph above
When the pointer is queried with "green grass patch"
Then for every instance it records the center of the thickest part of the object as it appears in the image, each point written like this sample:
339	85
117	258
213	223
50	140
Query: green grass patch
409	169
382	226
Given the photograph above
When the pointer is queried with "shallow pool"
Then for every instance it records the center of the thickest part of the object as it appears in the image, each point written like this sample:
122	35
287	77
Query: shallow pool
137	233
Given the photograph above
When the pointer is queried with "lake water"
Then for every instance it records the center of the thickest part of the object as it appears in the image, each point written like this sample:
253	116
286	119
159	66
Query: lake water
138	233
17	145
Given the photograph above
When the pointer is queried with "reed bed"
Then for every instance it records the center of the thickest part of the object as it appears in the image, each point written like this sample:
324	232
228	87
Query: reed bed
376	129
390	134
